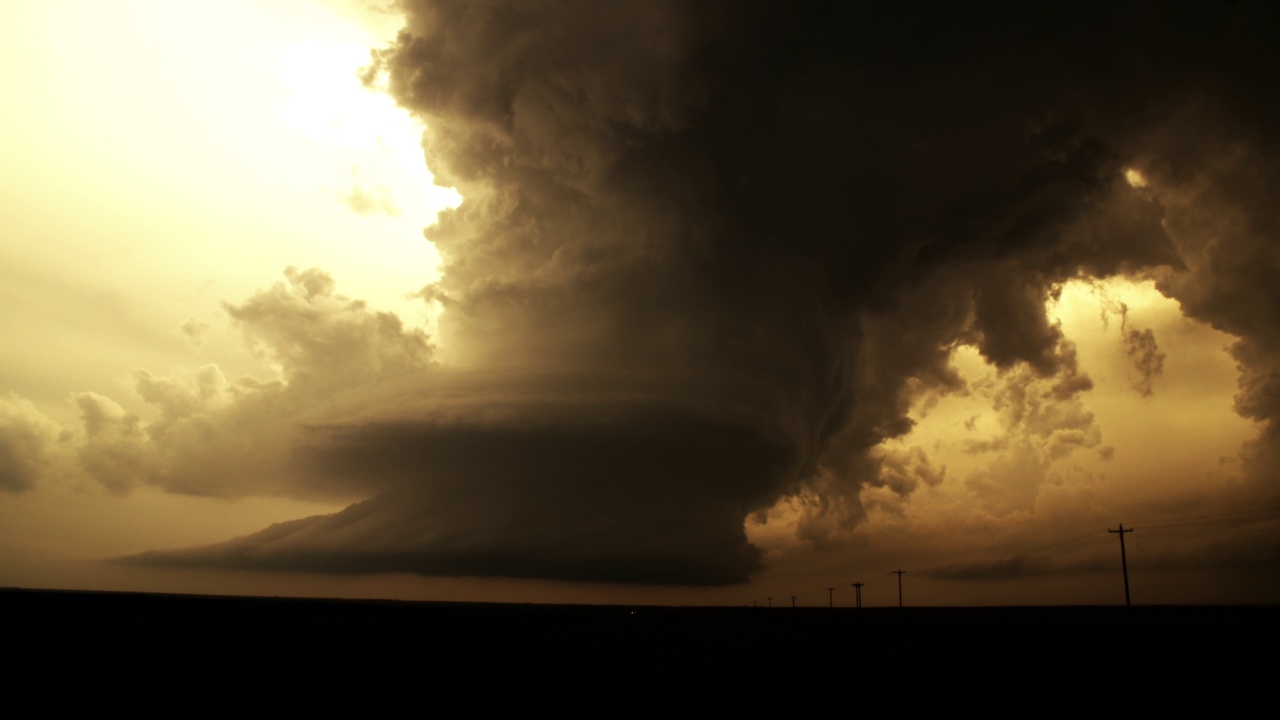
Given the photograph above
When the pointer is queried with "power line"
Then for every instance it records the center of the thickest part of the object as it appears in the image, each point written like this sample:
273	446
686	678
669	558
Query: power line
1063	547
1241	516
1229	519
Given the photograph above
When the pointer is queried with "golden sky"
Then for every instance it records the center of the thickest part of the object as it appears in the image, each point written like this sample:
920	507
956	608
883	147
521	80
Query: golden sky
676	337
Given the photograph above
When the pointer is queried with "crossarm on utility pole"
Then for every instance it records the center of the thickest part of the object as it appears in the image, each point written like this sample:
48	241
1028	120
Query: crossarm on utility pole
1124	562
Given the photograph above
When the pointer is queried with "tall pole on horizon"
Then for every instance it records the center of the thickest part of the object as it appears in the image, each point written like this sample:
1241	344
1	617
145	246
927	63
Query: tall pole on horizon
857	593
1124	563
831	594
899	573
793	601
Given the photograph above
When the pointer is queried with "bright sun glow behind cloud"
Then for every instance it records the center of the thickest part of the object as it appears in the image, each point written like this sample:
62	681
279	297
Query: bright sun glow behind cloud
1135	178
327	102
162	158
181	170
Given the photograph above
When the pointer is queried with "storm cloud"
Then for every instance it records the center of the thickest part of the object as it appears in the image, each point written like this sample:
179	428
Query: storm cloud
709	253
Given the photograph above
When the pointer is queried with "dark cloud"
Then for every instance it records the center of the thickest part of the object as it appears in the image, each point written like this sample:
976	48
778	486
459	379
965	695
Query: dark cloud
27	441
1240	539
1020	566
709	253
208	435
1139	345
1146	357
194	330
323	341
114	451
1000	568
579	493
558	475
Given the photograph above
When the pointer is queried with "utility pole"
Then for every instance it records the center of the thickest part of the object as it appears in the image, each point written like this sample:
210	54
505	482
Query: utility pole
770	602
899	573
793	601
1124	563
857	593
831	594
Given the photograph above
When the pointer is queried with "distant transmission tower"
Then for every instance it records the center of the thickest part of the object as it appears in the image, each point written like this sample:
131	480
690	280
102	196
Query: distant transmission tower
831	594
899	573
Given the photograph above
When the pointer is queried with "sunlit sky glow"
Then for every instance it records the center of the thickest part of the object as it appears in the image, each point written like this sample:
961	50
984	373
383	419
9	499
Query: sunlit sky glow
120	105
160	159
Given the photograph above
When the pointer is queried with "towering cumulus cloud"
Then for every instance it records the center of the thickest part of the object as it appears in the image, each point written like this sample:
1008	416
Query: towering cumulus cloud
709	252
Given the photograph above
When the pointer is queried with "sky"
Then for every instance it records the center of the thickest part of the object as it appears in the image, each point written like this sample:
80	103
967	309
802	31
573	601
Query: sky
641	302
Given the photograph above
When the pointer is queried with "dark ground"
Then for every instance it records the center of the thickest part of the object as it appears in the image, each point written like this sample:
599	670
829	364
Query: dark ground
185	656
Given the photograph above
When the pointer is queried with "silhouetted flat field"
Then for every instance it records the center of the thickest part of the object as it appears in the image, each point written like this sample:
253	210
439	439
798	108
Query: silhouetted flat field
216	656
